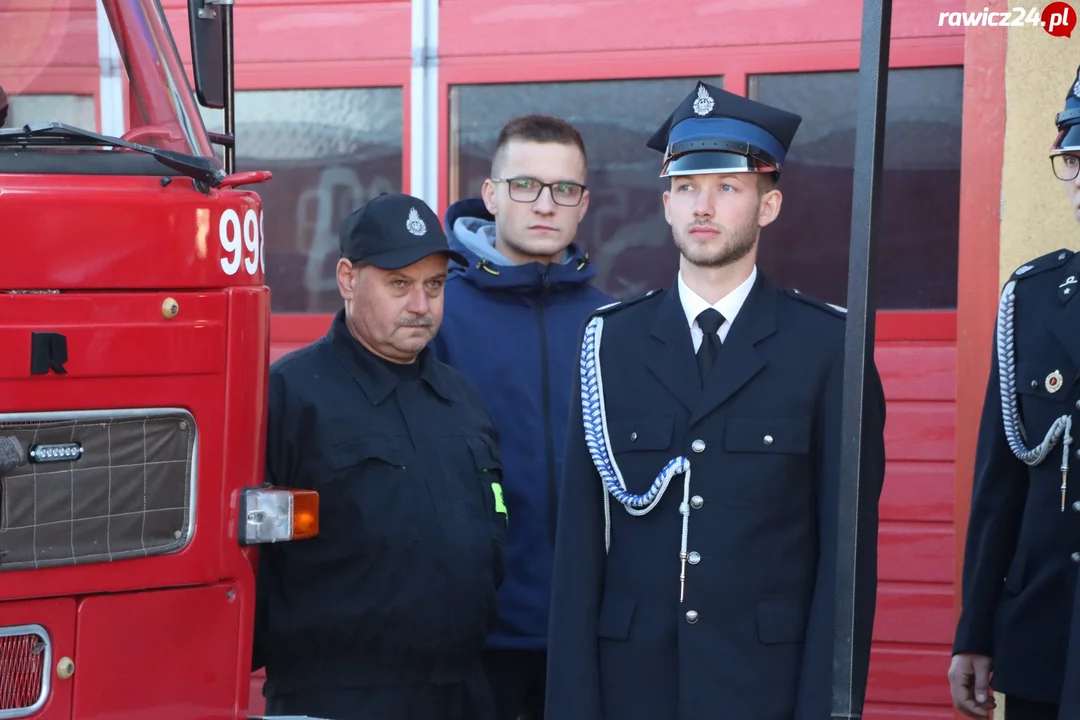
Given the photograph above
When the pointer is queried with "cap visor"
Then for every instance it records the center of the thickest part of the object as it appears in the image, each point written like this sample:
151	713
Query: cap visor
702	163
1068	140
406	256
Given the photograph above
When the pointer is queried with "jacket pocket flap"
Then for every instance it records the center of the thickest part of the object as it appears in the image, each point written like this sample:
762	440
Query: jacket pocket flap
484	454
781	620
1045	379
768	435
616	613
350	453
647	432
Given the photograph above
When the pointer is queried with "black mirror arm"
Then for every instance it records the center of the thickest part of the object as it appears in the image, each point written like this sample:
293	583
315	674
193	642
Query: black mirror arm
222	139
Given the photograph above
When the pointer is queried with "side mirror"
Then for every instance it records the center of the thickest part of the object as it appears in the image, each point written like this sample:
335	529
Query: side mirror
207	28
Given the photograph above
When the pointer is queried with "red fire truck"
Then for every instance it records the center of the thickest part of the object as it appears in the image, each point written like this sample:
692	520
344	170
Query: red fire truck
133	370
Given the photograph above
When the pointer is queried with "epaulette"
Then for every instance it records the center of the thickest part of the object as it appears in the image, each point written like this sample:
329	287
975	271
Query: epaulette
818	303
620	304
1046	262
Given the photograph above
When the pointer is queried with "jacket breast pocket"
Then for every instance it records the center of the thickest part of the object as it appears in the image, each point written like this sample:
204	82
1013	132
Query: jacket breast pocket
769	462
1046	379
1043	389
370	497
642	444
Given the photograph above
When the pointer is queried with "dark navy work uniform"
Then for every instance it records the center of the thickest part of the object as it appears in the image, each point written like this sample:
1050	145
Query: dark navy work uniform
714	600
1022	555
383	615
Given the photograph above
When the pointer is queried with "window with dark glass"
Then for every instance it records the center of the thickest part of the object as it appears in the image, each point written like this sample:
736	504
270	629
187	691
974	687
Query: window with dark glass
624	230
807	247
330	152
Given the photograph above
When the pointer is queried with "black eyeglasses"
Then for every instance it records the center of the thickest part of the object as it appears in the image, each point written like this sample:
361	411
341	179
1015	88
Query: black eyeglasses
1066	167
527	189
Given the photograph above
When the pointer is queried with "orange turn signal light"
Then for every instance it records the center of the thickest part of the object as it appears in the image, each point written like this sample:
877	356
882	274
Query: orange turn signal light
305	514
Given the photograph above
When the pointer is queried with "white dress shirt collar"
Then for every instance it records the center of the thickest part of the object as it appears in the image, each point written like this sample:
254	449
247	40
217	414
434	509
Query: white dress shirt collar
728	306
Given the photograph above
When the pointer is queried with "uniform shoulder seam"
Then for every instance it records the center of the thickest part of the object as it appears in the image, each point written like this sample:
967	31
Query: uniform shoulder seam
1042	263
820	304
605	310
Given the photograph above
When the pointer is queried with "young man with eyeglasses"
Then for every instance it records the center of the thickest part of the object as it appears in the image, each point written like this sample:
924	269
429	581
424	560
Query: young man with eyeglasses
1023	538
512	322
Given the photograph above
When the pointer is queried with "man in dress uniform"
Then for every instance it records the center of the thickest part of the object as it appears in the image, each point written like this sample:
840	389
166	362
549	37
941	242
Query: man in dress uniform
383	616
1023	539
714	597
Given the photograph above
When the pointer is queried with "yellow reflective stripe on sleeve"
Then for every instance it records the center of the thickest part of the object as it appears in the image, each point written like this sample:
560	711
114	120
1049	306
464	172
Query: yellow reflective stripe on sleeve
500	506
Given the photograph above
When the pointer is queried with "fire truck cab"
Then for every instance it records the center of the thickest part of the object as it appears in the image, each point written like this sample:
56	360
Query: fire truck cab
134	324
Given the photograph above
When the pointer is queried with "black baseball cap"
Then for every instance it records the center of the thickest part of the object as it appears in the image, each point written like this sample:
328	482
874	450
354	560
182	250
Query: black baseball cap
393	231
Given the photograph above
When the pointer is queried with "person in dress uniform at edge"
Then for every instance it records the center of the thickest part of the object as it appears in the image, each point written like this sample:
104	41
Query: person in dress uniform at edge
383	615
1023	539
696	550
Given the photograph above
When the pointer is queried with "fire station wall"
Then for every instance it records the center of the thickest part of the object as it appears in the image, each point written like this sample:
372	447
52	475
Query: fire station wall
324	99
613	71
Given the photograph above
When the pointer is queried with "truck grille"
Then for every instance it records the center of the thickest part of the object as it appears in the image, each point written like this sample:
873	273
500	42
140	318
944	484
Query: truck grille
98	486
25	656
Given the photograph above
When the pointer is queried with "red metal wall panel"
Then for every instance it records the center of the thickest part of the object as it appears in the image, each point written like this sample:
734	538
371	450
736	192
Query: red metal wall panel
48	47
914	623
525	27
309	33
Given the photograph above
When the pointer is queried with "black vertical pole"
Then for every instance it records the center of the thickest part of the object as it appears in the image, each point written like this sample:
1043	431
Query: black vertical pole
869	156
230	85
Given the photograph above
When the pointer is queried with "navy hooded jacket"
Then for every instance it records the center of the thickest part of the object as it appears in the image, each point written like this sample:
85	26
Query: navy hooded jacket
513	331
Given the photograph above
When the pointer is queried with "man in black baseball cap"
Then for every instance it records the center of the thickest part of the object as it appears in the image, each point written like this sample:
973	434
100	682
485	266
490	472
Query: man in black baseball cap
399	240
384	614
394	231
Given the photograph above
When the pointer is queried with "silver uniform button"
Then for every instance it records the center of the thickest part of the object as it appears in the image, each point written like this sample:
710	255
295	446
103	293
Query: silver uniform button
1076	557
633	437
693	558
1076	506
767	439
696	501
698	446
691	616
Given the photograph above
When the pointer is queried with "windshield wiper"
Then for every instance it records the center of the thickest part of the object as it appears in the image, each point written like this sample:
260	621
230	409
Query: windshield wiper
53	133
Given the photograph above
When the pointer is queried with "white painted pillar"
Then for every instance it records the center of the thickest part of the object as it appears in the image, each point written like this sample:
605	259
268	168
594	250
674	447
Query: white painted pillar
424	99
111	100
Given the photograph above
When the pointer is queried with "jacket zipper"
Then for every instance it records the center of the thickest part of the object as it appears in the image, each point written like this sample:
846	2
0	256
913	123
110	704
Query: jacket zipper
545	382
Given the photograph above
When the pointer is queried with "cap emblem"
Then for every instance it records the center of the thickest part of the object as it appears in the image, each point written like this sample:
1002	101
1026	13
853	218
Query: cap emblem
704	103
414	224
1076	85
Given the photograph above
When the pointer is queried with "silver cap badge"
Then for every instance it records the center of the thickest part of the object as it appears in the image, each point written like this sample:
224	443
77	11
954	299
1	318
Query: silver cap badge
414	224
704	103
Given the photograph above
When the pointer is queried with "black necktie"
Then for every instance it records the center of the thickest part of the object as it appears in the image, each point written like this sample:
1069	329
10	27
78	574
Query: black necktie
709	321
